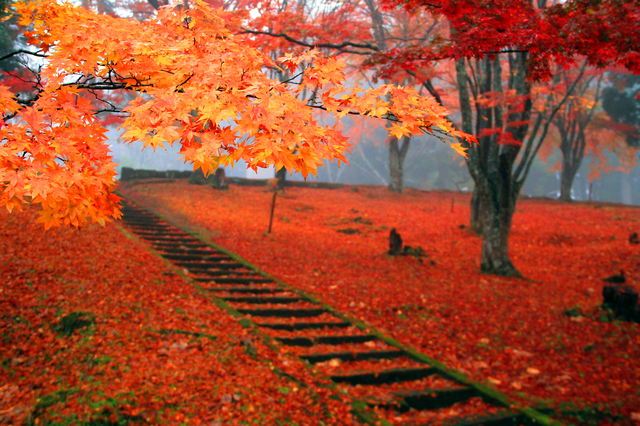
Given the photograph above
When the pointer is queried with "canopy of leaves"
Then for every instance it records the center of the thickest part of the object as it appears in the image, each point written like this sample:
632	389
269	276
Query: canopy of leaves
197	83
603	31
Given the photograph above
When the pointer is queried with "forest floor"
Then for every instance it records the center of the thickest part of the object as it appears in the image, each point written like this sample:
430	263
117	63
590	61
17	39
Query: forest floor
543	338
96	330
149	348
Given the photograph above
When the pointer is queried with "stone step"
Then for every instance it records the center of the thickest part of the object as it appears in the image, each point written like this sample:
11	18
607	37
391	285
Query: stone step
284	313
353	356
211	275
143	223
177	246
212	285
170	240
239	280
191	252
394	375
210	256
501	418
305	325
325	340
149	224
262	300
167	232
247	290
433	399
210	265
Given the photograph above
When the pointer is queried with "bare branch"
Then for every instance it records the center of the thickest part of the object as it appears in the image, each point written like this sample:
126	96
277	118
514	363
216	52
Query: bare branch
21	51
340	47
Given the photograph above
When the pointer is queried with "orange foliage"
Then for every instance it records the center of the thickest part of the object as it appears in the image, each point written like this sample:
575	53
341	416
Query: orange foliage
197	83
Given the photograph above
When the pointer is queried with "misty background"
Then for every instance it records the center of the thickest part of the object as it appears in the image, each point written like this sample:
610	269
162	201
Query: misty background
430	165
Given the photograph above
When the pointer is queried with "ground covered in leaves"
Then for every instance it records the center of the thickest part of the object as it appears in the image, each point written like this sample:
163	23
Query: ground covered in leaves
94	329
543	338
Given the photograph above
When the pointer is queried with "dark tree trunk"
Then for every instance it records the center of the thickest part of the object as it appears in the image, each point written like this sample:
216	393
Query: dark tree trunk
572	146
498	207
490	163
566	181
281	175
476	218
571	124
397	153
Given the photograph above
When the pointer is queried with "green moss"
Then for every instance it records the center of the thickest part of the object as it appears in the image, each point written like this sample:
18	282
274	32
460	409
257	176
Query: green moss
75	321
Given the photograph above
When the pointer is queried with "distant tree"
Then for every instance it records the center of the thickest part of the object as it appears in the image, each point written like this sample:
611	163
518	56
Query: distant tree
622	105
571	122
582	129
530	37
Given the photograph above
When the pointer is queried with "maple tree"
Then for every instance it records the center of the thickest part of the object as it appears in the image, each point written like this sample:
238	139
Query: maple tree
581	129
197	83
530	37
571	122
500	49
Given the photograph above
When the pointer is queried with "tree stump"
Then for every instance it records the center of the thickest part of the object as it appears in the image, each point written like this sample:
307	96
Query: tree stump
221	179
623	301
395	243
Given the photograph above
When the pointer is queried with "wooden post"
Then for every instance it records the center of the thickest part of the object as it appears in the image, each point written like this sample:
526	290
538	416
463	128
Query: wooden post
590	189
273	206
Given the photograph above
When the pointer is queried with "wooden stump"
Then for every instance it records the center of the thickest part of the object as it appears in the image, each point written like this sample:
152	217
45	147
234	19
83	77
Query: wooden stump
623	301
395	243
221	179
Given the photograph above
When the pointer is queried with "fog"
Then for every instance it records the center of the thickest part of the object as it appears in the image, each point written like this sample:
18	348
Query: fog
430	165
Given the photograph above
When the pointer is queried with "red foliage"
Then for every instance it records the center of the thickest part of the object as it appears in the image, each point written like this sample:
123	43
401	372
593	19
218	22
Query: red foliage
605	32
511	333
130	354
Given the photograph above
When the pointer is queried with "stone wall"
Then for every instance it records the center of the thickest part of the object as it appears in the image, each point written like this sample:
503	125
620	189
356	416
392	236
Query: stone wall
127	173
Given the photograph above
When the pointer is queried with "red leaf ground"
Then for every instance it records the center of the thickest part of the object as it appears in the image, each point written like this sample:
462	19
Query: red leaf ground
511	333
129	365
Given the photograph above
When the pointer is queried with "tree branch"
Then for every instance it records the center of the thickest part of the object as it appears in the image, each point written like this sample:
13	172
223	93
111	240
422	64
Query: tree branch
21	51
340	47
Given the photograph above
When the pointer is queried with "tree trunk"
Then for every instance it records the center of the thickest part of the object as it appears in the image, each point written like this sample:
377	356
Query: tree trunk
572	146
281	175
566	182
625	188
497	214
489	163
476	210
571	125
397	154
